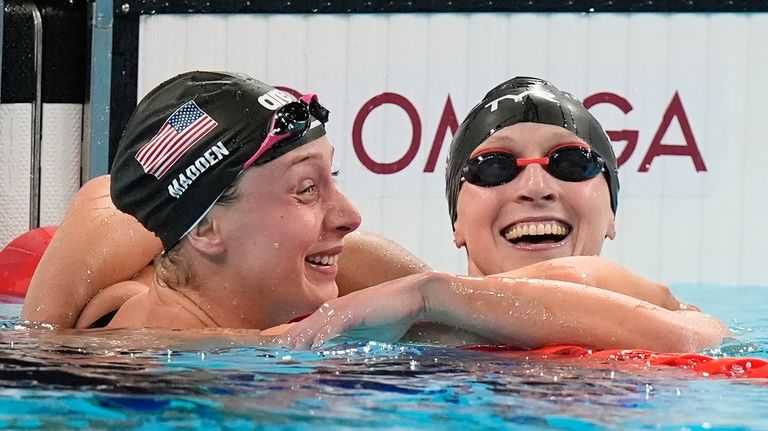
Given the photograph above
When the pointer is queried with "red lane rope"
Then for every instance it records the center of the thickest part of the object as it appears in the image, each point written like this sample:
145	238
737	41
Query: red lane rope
703	365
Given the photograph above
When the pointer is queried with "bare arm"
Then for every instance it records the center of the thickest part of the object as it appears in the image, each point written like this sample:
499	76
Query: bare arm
95	246
369	259
533	313
98	246
519	312
604	274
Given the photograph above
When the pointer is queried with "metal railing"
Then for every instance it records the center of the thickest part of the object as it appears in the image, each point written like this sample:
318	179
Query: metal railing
95	151
37	120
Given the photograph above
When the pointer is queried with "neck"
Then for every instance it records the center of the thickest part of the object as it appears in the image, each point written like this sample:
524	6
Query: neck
179	310
229	299
472	268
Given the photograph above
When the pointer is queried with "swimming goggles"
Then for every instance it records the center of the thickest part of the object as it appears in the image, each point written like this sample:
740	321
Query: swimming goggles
568	162
290	122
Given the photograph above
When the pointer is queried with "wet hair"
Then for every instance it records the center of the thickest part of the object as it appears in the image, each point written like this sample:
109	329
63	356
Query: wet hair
525	99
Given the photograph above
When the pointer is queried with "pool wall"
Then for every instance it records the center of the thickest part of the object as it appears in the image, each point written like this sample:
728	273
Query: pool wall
44	77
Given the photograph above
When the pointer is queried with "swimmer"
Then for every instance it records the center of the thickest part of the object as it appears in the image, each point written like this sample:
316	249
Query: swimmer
234	177
532	187
557	274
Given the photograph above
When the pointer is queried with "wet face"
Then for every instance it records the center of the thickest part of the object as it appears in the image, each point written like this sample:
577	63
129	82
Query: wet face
536	216
284	232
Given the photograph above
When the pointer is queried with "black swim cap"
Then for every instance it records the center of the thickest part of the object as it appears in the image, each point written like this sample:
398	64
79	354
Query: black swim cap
186	143
520	100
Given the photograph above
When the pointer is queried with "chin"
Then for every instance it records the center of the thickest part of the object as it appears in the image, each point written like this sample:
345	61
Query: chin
323	293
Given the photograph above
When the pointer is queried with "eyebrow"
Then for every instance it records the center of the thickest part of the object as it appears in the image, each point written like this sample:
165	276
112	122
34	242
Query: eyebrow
301	159
306	157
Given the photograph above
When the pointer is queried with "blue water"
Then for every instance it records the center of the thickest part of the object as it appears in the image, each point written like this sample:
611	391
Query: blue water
141	380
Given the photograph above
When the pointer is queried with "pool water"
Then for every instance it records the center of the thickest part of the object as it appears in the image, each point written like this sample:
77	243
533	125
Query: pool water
55	380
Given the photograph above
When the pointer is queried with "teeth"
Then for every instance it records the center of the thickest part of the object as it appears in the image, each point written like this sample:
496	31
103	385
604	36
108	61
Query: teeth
536	228
324	259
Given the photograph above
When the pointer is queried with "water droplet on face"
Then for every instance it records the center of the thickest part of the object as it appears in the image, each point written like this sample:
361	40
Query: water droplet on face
125	8
276	245
238	94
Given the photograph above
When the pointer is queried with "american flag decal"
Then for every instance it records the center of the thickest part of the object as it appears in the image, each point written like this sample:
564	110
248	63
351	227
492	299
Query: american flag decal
183	129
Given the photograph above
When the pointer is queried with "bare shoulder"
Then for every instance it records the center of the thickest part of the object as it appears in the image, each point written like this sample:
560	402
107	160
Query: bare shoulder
108	301
96	187
369	259
95	246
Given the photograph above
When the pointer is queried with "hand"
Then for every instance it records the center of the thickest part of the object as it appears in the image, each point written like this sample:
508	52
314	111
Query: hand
383	312
669	301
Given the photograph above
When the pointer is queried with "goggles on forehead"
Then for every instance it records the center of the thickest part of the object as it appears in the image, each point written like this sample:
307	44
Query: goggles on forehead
290	122
568	162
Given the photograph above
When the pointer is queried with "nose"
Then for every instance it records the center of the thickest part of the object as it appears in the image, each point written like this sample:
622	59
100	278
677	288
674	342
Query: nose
535	184
342	216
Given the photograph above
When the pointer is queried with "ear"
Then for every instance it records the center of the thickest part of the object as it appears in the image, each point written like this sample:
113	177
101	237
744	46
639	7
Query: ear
206	237
611	233
458	235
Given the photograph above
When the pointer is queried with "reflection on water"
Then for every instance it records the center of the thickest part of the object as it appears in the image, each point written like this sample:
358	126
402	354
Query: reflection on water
52	380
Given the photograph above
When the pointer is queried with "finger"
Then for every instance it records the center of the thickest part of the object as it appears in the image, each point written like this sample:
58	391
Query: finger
304	340
325	334
317	343
689	307
300	336
334	327
326	316
287	340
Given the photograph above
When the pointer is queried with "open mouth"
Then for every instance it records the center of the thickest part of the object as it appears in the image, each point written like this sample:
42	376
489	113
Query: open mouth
539	232
323	259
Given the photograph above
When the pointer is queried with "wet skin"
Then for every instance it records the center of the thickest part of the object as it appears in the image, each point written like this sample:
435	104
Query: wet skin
488	215
292	220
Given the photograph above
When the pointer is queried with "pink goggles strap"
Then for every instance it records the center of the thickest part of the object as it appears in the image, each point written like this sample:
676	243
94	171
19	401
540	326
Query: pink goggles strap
273	138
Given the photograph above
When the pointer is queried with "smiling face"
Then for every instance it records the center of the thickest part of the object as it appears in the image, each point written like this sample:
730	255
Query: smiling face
535	217
284	232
